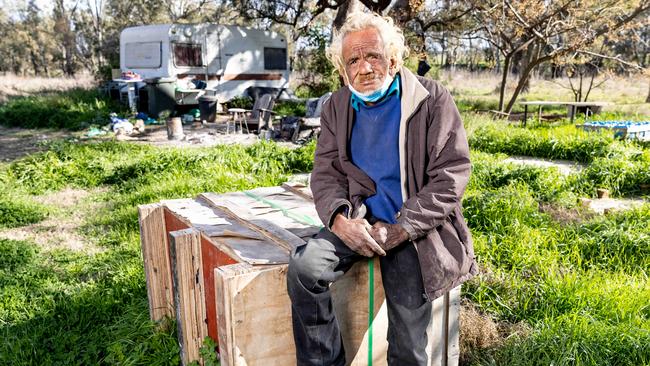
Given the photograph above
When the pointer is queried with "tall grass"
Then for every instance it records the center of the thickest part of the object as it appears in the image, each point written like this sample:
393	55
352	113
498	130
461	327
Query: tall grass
564	141
582	286
64	307
73	110
579	286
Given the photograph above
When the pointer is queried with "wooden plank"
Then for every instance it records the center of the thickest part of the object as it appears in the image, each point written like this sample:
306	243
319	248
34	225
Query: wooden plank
272	232
155	255
189	296
453	327
306	194
352	314
254	315
437	333
256	303
211	258
254	251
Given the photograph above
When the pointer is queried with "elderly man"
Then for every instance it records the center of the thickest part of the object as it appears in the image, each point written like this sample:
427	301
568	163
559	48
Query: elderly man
391	165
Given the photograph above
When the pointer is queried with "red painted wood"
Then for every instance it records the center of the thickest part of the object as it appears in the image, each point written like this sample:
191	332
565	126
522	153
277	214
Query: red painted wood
212	258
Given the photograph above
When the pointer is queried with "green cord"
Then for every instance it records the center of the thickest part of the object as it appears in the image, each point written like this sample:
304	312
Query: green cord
371	305
303	219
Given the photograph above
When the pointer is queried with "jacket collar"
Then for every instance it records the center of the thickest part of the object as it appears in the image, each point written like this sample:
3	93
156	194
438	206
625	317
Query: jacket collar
413	93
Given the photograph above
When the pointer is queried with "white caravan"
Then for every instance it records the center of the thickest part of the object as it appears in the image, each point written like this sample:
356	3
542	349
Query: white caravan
229	58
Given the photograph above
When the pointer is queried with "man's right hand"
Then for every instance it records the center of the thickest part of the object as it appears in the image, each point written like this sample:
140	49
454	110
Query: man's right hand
354	233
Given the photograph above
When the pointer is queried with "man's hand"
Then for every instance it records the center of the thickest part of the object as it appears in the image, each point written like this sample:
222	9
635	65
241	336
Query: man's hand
355	234
388	235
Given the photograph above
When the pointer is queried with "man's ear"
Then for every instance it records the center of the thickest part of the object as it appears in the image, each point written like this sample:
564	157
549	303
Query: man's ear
343	77
392	68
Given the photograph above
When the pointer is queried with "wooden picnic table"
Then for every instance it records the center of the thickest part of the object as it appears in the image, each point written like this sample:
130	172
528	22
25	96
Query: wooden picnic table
572	107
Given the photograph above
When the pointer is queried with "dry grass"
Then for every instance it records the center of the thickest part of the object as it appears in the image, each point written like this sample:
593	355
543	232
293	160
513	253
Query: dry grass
62	229
480	332
626	94
15	86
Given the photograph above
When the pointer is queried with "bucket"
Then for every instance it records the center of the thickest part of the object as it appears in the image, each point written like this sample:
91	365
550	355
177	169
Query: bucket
174	129
208	107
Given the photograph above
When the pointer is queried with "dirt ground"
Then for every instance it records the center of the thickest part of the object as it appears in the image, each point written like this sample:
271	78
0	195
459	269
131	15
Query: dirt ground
16	143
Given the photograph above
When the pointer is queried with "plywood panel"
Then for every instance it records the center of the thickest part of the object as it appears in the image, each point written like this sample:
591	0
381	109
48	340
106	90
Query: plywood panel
155	255
189	298
254	315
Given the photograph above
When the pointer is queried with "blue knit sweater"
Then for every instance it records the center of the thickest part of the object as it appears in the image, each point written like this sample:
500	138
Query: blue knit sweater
374	148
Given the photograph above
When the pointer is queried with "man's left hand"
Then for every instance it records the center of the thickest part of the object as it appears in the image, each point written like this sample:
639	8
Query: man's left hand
388	236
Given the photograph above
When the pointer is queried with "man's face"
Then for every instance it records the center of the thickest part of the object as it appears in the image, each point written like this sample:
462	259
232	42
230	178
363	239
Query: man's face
366	65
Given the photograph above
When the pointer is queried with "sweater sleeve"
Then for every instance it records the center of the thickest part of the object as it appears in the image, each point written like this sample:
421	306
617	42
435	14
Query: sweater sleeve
448	171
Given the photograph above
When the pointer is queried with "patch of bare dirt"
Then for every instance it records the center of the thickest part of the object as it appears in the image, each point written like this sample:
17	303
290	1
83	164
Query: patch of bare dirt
16	143
197	135
61	230
567	215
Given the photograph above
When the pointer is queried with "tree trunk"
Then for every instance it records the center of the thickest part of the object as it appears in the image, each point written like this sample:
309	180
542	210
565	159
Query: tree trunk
342	13
647	100
525	73
504	79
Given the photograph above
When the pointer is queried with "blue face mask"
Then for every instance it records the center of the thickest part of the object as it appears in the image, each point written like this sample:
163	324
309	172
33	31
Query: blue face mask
373	96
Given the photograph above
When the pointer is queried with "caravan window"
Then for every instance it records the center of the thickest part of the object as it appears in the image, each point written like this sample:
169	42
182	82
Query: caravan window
275	58
187	54
143	55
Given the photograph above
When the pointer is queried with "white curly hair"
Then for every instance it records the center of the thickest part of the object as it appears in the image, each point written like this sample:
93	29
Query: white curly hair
391	35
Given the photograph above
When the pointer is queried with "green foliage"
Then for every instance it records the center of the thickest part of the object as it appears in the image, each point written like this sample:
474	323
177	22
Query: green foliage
545	184
17	211
580	284
570	341
290	108
130	166
61	307
563	141
240	102
208	353
73	110
320	76
620	176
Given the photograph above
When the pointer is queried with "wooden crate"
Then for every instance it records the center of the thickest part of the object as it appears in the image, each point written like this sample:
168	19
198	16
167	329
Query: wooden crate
218	264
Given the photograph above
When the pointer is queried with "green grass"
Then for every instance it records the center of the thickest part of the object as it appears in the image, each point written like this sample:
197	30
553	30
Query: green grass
622	167
75	109
19	211
64	307
580	286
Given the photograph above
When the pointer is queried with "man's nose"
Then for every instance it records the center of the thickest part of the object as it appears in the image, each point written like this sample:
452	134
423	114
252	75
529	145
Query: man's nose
365	67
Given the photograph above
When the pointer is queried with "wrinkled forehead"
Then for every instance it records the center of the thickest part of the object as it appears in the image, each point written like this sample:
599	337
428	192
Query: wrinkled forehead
362	41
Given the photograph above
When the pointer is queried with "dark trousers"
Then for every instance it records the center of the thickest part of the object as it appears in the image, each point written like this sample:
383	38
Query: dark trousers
323	260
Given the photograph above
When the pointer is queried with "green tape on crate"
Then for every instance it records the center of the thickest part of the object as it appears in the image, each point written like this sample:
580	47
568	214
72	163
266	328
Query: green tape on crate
303	219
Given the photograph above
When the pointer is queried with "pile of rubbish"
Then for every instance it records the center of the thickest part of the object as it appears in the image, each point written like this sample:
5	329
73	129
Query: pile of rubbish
632	130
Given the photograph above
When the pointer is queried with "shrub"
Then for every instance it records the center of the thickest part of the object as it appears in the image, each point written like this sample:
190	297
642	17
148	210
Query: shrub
73	110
